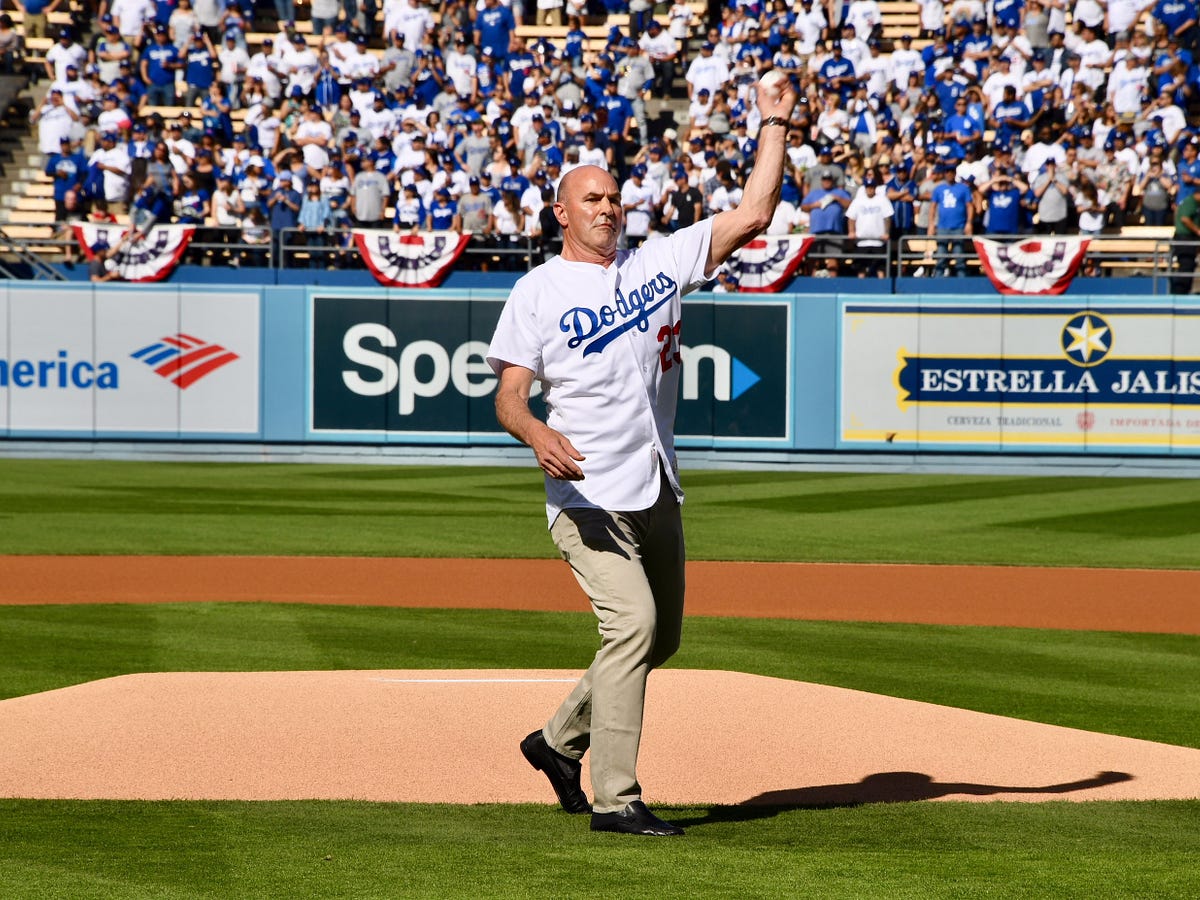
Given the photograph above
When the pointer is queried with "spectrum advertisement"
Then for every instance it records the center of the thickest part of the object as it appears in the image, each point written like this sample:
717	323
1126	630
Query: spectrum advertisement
76	361
415	368
1096	377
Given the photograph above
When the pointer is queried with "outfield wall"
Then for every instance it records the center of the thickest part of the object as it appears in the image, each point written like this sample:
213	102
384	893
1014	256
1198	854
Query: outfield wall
813	372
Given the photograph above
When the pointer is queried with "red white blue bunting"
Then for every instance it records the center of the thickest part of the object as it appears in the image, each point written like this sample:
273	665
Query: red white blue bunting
1042	265
151	259
410	260
767	263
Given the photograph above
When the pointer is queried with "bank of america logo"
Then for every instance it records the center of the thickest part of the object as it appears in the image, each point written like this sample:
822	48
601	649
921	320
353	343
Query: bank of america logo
183	359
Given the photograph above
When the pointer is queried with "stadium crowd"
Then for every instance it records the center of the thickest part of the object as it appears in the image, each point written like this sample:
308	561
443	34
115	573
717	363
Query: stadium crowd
1015	116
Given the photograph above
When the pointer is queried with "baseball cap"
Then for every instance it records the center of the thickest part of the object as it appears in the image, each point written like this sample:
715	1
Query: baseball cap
473	180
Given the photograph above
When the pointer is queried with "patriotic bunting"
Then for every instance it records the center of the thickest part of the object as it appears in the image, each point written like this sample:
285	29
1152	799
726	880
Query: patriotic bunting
151	259
767	263
1043	265
410	260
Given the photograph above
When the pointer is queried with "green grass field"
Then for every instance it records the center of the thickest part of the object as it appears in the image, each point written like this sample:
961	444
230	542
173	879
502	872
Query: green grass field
343	510
1137	685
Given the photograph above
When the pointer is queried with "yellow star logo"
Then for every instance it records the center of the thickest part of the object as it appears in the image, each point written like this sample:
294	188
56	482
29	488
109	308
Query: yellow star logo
1088	336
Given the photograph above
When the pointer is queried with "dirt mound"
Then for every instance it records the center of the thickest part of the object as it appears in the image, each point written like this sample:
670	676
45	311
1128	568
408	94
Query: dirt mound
451	736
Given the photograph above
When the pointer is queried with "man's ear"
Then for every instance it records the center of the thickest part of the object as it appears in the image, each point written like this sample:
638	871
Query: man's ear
560	214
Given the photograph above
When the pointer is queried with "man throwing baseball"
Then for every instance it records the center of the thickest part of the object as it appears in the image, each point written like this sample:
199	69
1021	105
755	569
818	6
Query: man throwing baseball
600	331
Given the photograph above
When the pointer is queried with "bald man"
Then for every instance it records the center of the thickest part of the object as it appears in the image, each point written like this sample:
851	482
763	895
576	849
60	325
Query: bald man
600	331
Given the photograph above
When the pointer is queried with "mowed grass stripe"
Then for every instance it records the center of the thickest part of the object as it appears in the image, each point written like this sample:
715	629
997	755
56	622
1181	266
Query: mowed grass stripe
95	507
906	850
1137	685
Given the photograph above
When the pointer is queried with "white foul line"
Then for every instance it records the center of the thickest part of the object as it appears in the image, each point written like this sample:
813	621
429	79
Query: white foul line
477	680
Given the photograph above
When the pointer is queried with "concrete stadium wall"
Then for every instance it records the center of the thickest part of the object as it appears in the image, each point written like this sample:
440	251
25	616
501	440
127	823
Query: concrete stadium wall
832	373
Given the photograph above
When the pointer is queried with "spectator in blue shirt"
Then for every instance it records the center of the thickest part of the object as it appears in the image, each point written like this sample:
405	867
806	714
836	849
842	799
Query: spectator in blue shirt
1002	195
283	208
837	74
68	168
1187	171
754	48
960	130
494	25
159	63
934	57
1179	17
428	77
443	213
1009	117
901	190
950	217
826	207
575	40
315	221
193	201
619	123
517	66
200	68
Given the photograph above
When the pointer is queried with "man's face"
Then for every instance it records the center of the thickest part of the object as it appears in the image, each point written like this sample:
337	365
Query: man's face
590	211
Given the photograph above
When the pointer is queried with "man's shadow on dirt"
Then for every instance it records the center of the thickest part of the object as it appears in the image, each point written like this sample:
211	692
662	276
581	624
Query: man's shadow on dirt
882	787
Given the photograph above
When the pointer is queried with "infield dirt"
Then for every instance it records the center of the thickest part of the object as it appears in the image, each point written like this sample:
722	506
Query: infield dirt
452	736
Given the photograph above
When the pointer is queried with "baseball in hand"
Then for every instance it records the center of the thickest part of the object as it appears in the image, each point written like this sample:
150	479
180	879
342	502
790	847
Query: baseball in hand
772	83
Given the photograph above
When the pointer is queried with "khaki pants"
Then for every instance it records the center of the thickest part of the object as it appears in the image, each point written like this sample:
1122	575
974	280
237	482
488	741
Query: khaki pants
35	25
632	567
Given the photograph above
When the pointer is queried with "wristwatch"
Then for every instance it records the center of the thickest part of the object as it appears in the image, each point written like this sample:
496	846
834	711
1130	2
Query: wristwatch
775	120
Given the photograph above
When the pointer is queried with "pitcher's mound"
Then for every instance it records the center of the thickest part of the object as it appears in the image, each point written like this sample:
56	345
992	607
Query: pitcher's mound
451	737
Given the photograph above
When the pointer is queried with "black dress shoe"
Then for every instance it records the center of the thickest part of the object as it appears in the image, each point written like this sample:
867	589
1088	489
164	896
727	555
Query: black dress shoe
562	771
634	819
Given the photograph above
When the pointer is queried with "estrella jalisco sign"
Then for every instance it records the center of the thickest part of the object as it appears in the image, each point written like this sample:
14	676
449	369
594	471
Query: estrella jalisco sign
1119	376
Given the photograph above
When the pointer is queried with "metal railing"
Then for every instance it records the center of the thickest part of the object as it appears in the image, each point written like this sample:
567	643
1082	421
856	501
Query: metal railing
914	255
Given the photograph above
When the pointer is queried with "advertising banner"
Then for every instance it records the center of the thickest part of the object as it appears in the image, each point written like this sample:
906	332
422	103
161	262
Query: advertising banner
1009	376
79	361
410	367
